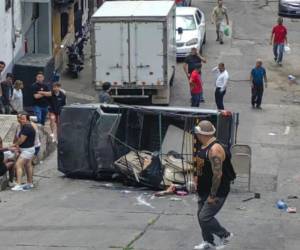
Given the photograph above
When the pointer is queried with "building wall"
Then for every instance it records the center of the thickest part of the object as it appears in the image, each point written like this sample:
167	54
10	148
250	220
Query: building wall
15	25
6	48
58	52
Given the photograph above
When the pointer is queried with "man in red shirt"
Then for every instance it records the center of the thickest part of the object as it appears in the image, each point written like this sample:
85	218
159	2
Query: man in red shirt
196	86
278	39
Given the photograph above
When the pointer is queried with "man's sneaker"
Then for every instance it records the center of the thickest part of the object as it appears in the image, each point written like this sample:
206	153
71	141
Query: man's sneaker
225	240
28	186
205	245
11	183
18	188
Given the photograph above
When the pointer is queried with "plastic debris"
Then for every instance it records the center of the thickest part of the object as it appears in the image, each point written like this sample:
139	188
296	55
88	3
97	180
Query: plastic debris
142	202
256	196
291	77
125	191
292	197
175	199
291	210
287	49
281	205
272	134
241	208
181	193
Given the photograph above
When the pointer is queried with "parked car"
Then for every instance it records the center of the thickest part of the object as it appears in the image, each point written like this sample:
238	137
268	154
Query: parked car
190	30
289	8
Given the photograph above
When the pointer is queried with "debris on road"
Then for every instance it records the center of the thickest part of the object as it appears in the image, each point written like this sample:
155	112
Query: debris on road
292	197
281	204
141	201
125	192
175	199
241	208
291	210
256	196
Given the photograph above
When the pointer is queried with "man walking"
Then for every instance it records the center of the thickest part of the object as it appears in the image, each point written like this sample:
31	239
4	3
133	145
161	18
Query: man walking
278	39
213	180
196	86
190	63
222	78
258	78
41	94
217	17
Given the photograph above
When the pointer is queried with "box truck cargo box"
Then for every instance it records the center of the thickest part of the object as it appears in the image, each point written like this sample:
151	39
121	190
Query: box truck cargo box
134	48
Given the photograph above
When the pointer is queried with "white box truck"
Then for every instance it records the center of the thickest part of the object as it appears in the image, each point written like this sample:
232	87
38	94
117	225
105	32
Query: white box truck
134	48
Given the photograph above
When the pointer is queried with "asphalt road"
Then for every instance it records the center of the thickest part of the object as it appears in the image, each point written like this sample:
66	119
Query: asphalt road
62	213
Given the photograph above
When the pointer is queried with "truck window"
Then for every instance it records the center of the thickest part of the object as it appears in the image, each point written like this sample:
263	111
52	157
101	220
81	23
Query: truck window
199	15
198	20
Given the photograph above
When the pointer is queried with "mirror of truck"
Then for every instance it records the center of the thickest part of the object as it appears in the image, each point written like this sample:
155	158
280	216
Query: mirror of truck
180	30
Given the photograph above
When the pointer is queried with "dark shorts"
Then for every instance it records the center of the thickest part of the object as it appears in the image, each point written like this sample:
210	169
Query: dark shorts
3	169
37	150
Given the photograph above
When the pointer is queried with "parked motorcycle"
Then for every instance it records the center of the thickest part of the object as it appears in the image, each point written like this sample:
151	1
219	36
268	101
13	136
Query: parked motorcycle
75	52
75	63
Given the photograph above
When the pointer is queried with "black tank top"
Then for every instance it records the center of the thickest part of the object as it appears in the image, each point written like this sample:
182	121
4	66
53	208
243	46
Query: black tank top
205	178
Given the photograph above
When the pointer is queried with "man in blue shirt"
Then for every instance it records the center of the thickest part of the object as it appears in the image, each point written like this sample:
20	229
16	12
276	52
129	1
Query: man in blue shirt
258	79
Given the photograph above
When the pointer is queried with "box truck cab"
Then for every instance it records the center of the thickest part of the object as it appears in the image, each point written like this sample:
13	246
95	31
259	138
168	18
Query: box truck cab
134	48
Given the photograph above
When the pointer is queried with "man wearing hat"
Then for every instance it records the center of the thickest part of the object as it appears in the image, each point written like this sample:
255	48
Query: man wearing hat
213	180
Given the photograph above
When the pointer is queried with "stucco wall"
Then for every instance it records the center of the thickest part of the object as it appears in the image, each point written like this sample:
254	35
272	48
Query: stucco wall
5	31
11	46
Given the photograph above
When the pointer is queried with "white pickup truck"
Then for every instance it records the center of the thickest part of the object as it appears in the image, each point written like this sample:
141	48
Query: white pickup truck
134	48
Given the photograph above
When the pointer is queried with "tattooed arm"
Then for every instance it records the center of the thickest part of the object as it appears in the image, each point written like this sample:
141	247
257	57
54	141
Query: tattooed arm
216	164
216	157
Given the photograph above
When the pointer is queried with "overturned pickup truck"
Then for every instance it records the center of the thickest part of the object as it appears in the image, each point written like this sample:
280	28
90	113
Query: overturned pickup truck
146	145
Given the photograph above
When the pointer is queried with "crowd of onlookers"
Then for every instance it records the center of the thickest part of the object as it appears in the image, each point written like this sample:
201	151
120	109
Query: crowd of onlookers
48	100
258	75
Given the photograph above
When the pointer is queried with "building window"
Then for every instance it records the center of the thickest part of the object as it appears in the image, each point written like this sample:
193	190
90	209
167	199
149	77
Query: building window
64	24
7	5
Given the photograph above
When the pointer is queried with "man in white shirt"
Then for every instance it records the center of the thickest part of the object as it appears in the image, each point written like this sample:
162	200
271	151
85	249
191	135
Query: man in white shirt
222	77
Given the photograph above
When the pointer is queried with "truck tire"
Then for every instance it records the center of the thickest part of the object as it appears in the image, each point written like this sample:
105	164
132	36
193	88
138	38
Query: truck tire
204	39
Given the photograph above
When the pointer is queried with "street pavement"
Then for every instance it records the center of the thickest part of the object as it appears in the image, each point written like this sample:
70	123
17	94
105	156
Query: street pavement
63	213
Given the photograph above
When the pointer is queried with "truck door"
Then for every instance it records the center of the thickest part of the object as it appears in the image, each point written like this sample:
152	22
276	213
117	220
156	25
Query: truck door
146	53
111	55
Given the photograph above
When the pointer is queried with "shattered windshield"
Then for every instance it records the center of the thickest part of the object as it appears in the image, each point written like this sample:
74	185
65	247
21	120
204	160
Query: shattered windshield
185	22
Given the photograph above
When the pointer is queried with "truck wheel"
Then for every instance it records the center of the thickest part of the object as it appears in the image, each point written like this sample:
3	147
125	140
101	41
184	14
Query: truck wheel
204	39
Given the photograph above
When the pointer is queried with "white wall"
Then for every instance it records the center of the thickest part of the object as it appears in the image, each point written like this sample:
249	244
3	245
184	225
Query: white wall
7	52
5	31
